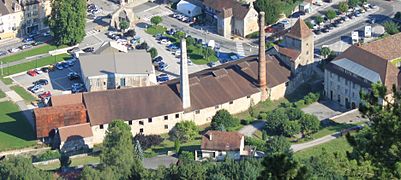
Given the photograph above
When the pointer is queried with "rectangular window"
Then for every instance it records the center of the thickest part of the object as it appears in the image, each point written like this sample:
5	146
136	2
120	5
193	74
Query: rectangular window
177	116
141	130
231	102
197	111
140	122
101	126
130	122
149	120
165	126
165	117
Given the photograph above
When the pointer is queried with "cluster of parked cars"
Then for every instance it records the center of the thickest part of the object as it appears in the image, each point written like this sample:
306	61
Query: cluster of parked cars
92	10
182	18
327	25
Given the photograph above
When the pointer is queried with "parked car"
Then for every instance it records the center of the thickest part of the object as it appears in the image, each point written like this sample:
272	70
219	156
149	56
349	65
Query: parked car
37	88
73	75
32	72
162	78
77	87
42	82
45	95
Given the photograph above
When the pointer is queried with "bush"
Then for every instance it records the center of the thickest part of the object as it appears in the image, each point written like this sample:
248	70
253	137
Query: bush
148	141
224	118
258	143
48	155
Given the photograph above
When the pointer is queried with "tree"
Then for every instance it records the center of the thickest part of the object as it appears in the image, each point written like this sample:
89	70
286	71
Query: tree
272	9
353	3
278	145
21	168
155	20
117	150
378	142
325	52
319	19
343	7
391	27
67	21
124	24
331	14
309	124
291	128
223	117
153	52
184	131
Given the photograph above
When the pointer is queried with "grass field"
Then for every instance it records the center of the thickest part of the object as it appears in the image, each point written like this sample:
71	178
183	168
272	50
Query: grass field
33	52
337	145
28	97
34	64
15	131
74	162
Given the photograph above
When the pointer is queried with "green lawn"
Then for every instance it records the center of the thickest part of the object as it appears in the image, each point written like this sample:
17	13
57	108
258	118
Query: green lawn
337	145
153	30
7	81
15	131
74	162
35	51
34	64
28	97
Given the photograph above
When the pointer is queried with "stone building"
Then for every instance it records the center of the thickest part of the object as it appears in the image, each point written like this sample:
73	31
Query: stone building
113	67
11	16
359	66
232	17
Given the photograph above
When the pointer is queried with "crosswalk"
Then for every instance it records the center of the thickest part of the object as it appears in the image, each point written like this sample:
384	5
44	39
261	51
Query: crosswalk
240	48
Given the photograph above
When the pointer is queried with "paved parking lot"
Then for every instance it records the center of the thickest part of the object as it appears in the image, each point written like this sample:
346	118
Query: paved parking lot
58	80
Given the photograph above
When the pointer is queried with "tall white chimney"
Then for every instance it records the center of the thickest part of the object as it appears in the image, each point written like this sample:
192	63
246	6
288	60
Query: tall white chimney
184	79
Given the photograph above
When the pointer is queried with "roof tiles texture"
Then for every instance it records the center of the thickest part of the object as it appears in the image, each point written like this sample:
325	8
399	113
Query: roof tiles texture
221	141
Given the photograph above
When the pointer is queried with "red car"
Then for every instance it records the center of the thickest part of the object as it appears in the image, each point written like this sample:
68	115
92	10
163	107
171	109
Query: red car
45	95
32	73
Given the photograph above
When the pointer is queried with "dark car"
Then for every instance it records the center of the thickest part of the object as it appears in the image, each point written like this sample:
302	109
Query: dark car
42	82
89	49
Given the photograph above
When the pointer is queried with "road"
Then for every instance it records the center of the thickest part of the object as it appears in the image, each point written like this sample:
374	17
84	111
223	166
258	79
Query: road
387	9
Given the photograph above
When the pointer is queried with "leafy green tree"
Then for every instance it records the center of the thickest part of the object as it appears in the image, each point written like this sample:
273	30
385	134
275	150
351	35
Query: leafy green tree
155	20
272	9
379	142
309	124
117	150
67	21
124	24
291	128
184	131
353	3
325	52
391	27
21	168
343	7
278	145
153	52
331	14
223	117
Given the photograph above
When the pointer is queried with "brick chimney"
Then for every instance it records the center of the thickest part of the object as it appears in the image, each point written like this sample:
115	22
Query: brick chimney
262	56
184	78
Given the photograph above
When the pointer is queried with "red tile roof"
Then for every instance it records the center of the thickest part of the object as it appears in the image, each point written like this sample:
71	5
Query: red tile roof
221	141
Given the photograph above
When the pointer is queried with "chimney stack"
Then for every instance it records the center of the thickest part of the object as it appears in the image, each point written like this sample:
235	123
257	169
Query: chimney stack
262	56
184	79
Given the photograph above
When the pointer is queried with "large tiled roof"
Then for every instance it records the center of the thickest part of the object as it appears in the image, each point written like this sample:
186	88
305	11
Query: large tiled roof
49	118
221	141
300	30
239	10
75	131
208	88
369	56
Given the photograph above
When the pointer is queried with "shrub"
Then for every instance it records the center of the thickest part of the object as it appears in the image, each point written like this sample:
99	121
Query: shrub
223	117
48	155
148	141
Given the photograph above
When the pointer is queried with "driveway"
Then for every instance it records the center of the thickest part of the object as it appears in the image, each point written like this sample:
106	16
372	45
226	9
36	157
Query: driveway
249	130
155	162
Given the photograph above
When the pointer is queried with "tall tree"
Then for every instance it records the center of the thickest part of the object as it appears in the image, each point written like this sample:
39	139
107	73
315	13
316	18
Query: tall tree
117	150
380	142
67	21
21	168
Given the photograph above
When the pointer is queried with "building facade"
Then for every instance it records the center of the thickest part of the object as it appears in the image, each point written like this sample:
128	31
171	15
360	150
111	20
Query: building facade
358	67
